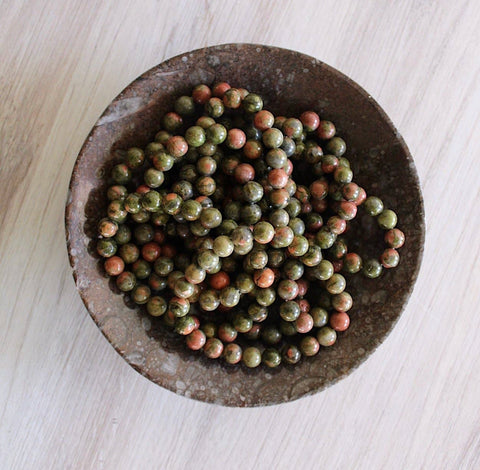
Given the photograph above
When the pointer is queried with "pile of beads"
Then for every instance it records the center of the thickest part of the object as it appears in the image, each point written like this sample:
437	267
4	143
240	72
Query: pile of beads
210	229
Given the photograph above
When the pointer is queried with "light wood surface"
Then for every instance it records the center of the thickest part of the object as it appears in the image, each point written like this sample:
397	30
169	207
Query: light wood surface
68	401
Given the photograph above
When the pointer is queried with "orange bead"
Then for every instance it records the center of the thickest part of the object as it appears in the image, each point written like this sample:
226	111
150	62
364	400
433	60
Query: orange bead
339	321
151	251
264	277
114	266
304	323
196	340
219	280
220	88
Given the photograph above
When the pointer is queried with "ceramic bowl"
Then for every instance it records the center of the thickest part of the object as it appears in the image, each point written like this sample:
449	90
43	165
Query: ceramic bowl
290	83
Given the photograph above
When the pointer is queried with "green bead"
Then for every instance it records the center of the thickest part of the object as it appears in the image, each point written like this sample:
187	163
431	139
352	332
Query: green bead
232	353
336	146
153	178
291	354
276	158
272	138
257	312
133	203
126	281
293	208
373	205
184	189
184	325
266	296
214	107
320	316
232	210
195	136
293	128
143	233
185	106
140	294
250	214
297	225
283	237
387	220
117	192
252	191
207	259
191	210
293	269
336	284
129	253
211	217
116	211
206	166
271	357
229	296
163	266
156	306
241	322
343	175
209	300
179	307
326	336
121	174
312	257
252	103
123	235
279	218
151	201
106	247
223	246
325	238
372	269
172	203
135	157
162	161
299	246
183	288
289	310
216	134
271	335
141	269
141	217
323	271
252	357
227	227
309	346
257	259
263	232
287	328
244	283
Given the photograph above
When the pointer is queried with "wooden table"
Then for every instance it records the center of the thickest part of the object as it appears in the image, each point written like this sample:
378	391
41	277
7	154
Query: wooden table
68	401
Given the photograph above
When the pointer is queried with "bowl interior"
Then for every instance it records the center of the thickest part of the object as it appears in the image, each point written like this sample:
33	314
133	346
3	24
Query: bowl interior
290	83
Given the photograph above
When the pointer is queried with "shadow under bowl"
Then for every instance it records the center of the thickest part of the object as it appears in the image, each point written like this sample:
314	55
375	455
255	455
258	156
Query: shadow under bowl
289	83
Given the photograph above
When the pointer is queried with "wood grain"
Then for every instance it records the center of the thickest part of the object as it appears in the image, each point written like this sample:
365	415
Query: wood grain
67	400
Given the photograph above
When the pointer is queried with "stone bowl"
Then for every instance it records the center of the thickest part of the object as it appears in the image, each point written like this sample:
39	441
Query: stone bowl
290	83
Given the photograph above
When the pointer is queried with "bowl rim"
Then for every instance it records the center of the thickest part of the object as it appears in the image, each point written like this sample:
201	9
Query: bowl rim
69	220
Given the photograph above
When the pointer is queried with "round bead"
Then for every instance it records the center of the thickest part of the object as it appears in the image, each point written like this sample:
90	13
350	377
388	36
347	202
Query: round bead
196	340
339	321
387	219
251	355
326	336
395	238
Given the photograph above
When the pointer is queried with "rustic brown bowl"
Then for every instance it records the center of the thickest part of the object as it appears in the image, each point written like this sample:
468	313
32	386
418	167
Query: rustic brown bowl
290	83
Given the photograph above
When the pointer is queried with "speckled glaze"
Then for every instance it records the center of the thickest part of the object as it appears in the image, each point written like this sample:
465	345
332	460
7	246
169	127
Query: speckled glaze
290	83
